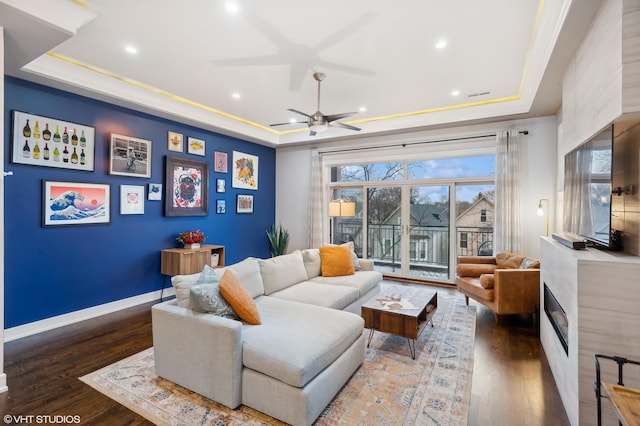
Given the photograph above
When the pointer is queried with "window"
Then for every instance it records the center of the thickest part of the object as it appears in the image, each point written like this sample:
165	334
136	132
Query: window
483	215
463	240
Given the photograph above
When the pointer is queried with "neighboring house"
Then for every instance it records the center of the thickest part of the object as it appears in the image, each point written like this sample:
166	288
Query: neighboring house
474	228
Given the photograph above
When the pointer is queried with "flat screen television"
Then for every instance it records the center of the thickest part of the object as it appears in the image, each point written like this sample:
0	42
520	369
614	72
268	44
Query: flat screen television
587	189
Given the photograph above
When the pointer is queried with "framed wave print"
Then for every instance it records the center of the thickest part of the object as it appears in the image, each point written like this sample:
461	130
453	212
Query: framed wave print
75	203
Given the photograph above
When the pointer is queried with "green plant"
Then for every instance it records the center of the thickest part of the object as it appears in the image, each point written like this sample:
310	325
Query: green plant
278	239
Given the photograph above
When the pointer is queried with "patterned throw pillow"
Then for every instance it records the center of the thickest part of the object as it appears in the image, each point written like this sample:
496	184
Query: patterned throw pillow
207	298
239	298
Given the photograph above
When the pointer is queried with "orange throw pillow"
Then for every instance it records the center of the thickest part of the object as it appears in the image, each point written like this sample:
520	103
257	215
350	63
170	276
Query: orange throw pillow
336	261
239	298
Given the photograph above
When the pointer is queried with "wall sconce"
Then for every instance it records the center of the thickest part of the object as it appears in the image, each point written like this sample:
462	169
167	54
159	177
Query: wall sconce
541	212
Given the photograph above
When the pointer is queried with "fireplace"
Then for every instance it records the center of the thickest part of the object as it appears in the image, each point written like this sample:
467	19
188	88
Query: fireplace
557	317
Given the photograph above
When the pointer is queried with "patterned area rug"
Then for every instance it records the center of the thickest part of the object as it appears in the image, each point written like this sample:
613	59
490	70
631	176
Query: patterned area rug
389	388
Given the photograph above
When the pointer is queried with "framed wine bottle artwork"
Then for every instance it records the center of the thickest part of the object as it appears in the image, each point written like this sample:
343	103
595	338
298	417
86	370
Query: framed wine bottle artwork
51	142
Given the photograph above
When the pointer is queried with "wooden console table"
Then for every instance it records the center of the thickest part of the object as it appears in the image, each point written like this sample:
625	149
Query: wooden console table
180	261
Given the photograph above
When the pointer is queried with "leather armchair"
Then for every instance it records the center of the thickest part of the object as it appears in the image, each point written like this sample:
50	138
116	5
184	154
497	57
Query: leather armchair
505	283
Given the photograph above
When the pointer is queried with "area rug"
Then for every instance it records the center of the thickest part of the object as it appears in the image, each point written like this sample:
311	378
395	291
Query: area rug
389	388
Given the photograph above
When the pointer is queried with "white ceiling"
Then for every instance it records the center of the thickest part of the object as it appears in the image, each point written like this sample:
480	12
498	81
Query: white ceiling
505	58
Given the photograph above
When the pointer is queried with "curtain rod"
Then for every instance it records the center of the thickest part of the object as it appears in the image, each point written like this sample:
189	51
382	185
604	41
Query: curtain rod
403	145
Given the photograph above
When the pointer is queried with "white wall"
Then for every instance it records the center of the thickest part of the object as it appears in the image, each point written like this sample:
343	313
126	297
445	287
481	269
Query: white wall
3	376
538	179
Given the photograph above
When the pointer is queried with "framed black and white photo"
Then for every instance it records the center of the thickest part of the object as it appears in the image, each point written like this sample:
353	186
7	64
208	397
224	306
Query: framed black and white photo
130	156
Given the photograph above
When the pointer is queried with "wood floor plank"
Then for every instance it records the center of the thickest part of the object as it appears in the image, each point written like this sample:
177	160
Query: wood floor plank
512	381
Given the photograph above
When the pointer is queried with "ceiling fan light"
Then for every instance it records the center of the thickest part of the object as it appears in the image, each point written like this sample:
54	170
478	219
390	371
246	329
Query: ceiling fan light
318	127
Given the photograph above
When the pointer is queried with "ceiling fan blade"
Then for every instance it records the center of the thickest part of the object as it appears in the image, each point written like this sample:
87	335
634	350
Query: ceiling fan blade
334	117
288	122
344	126
299	112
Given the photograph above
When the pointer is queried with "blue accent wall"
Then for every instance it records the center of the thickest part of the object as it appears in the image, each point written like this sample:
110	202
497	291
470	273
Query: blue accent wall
56	270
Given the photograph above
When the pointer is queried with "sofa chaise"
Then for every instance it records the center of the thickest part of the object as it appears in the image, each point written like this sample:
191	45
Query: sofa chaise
308	343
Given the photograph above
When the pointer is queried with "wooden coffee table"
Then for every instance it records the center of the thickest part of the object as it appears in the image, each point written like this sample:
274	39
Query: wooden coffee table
406	318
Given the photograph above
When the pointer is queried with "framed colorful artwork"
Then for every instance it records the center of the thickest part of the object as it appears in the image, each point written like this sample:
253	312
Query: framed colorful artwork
244	204
130	156
220	162
75	203
221	206
175	141
220	185
245	171
49	142
186	187
131	199
155	191
195	146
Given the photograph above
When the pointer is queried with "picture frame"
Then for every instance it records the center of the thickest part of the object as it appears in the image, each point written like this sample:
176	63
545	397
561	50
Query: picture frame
221	206
244	204
221	185
186	187
245	171
154	192
129	156
75	203
195	146
220	162
131	199
50	142
175	141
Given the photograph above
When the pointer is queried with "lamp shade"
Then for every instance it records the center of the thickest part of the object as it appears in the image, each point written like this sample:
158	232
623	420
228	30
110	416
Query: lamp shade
342	208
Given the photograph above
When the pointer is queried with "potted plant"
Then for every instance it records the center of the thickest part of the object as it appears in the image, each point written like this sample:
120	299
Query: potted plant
278	239
191	239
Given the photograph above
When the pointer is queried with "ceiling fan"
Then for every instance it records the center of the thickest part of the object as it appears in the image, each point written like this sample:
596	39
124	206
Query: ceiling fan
319	122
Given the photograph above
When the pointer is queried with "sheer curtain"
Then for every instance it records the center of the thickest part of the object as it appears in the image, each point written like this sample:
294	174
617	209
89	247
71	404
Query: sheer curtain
315	237
507	216
577	195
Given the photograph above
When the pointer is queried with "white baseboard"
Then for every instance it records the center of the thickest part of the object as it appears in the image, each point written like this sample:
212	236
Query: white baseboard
47	324
3	383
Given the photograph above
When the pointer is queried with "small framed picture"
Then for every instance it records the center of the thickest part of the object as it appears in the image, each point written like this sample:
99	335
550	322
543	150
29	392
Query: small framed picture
220	185
75	203
175	141
245	204
221	206
195	146
130	156
155	191
131	199
220	162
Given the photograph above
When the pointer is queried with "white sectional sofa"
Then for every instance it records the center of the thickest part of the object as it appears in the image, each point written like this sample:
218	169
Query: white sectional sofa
310	340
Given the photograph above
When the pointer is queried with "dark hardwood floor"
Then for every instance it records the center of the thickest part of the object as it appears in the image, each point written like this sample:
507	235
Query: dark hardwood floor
512	382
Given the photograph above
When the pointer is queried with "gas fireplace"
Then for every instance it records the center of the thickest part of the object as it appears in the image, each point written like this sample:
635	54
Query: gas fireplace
557	317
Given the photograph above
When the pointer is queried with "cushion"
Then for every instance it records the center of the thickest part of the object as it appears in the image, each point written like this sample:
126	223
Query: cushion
248	272
508	260
282	271
529	263
239	298
336	261
486	280
474	269
207	298
315	293
182	284
311	259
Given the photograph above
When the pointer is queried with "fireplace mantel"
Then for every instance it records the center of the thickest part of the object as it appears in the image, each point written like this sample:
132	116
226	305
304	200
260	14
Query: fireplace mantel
600	294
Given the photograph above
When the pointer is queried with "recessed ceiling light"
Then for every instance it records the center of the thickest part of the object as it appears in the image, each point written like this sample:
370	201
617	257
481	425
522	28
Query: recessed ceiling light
129	48
232	7
235	95
292	120
455	93
441	44
362	109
